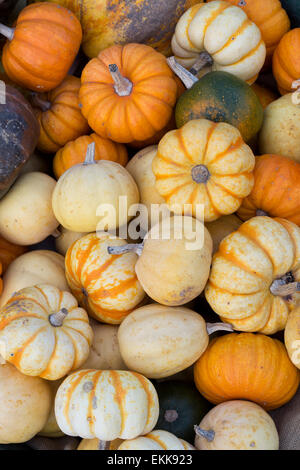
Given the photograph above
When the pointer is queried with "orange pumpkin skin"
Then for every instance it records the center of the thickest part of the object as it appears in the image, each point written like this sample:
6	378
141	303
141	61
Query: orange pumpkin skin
246	366
276	190
149	105
264	95
60	116
9	252
46	40
286	61
271	19
74	152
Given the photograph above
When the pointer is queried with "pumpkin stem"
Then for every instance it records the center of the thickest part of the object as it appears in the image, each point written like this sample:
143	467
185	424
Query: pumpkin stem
38	102
260	212
200	174
56	233
296	94
212	327
171	416
7	32
123	86
187	78
203	60
131	247
103	445
208	435
90	154
283	288
57	319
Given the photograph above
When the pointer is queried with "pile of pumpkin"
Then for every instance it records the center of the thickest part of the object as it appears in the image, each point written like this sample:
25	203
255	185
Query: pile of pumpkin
85	325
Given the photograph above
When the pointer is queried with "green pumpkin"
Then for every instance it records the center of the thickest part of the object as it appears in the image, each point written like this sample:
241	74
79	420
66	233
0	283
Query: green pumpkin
292	8
222	97
180	407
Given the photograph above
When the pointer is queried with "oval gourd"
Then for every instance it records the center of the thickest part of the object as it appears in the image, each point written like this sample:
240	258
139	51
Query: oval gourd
237	425
292	336
156	440
247	367
124	405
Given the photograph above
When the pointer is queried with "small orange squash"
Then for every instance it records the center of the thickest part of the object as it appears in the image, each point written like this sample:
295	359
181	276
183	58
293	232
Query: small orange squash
9	252
74	152
276	190
42	47
286	61
128	93
246	366
59	115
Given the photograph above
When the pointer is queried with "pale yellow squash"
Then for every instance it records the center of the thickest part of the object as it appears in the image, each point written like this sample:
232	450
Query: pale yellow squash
292	336
66	238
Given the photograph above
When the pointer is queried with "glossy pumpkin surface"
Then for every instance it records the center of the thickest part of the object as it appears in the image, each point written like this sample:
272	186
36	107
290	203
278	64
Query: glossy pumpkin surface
246	366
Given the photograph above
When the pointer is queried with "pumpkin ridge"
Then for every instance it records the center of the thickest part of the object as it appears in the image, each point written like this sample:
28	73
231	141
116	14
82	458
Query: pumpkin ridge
15	360
74	329
157	440
81	257
29	72
232	259
41	121
144	384
237	32
115	314
65	331
210	132
94	381
62	119
135	102
45	21
226	190
142	93
117	289
47	368
43	294
182	144
171	162
98	271
174	191
214	15
211	200
231	292
71	387
118	397
6	321
250	53
233	146
256	242
34	301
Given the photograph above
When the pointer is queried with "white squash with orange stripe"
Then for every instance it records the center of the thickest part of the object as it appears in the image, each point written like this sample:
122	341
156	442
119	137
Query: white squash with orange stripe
106	404
231	42
156	440
44	333
105	285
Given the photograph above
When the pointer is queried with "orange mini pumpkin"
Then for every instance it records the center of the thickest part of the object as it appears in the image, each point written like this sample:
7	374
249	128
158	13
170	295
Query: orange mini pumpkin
128	93
286	61
74	152
246	366
42	46
9	252
276	190
59	115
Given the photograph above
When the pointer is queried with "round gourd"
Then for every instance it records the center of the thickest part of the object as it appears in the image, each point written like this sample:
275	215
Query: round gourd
174	260
25	404
159	341
59	115
221	35
265	95
44	333
74	152
180	407
293	10
105	285
51	428
254	274
106	404
19	133
35	267
156	440
204	165
42	46
286	61
128	93
26	215
247	367
276	190
237	425
9	252
292	336
66	238
84	193
222	227
220	97
280	132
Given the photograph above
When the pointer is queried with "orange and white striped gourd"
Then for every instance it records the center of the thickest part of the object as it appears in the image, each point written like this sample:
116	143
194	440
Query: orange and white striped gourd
221	35
254	280
44	333
105	285
156	440
107	404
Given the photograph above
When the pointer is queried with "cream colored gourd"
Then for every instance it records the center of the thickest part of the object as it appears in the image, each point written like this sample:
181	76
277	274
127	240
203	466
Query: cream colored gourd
156	440
51	428
292	336
237	425
44	333
280	132
174	260
159	341
106	404
220	35
35	267
25	404
222	227
26	215
90	191
66	238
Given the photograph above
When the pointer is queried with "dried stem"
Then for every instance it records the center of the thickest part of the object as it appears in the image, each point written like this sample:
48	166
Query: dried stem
212	327
130	248
284	290
208	435
200	174
203	60
38	102
90	154
123	86
103	445
187	78
57	319
7	32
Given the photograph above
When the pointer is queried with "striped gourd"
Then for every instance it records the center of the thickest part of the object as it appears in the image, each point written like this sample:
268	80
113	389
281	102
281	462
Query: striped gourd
156	440
106	404
106	285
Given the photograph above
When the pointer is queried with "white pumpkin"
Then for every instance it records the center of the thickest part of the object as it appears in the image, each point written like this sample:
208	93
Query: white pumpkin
156	440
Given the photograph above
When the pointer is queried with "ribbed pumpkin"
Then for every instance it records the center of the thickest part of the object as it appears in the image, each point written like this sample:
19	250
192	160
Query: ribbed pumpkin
59	115
74	152
44	332
249	367
292	336
9	252
286	61
204	163
276	190
105	285
156	440
128	93
270	17
106	404
221	35
252	283
41	48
